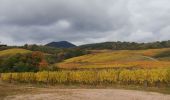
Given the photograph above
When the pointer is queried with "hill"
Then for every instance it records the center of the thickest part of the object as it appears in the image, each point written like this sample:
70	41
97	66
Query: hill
126	45
13	51
45	49
120	58
61	44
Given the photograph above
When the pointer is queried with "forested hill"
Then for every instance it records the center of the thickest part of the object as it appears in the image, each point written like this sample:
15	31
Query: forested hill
61	44
126	45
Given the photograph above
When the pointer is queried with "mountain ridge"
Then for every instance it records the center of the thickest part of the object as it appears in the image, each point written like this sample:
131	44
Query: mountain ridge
61	44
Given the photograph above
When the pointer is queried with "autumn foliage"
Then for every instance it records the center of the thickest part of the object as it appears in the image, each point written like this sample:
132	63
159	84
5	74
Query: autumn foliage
29	62
152	77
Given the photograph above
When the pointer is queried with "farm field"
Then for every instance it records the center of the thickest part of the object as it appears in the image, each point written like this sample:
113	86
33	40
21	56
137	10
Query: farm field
153	77
118	59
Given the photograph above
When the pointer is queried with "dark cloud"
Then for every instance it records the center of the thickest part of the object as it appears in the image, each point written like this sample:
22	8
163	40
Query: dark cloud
83	21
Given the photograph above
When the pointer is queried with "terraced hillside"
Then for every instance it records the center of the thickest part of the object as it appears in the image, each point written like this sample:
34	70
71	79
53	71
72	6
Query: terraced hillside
13	51
122	58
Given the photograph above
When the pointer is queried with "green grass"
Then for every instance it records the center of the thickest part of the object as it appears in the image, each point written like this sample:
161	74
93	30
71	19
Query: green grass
14	51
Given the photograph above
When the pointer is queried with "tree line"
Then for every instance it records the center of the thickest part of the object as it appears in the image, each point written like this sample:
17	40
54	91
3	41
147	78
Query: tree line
127	45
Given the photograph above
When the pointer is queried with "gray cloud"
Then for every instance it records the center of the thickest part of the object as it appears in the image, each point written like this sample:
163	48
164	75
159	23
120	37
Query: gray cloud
83	21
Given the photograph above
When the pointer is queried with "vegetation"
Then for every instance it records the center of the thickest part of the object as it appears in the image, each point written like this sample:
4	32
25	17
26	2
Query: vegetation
126	45
13	51
152	77
45	49
163	54
39	64
33	61
23	60
118	59
58	53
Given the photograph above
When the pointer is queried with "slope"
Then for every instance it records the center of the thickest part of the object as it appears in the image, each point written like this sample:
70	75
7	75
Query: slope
119	58
13	51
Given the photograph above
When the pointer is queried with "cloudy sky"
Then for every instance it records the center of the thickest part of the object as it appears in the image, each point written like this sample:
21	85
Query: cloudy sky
83	21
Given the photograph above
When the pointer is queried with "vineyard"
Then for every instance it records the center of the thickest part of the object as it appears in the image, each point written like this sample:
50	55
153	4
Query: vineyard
119	59
149	77
138	67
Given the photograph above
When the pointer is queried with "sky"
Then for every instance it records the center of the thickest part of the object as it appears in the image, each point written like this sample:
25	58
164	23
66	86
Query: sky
83	21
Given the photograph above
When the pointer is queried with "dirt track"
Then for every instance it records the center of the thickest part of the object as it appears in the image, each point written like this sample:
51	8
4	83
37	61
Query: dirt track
90	94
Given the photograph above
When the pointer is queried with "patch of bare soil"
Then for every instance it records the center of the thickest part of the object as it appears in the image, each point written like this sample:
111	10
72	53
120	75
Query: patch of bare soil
89	94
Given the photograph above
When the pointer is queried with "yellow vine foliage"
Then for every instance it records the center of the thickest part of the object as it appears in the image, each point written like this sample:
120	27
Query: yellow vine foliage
42	76
85	77
6	77
58	77
108	76
111	76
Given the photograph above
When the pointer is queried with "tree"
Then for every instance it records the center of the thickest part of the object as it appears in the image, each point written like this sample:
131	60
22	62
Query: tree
23	62
43	64
37	57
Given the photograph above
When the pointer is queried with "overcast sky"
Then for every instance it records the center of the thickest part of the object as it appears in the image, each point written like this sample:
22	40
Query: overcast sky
83	21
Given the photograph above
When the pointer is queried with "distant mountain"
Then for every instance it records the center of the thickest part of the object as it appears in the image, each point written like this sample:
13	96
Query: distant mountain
61	44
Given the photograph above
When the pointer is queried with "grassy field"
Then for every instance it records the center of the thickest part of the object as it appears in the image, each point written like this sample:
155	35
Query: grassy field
14	51
121	58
